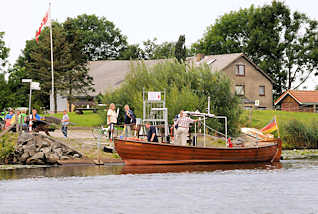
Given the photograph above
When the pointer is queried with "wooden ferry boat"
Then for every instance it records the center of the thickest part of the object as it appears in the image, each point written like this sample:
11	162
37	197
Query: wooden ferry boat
137	152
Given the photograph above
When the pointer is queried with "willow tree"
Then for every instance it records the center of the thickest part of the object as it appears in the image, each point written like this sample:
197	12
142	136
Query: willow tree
186	87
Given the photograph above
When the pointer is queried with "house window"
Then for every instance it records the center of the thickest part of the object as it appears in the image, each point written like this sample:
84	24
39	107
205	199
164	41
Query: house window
240	90
240	70
261	90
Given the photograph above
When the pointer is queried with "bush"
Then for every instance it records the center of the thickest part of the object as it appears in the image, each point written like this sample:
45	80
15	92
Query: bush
187	87
298	134
7	146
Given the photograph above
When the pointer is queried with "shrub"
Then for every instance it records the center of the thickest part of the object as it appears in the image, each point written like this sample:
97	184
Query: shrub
7	147
187	87
298	134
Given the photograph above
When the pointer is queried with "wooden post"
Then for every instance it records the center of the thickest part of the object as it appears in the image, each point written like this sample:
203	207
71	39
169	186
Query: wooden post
17	127
277	126
98	161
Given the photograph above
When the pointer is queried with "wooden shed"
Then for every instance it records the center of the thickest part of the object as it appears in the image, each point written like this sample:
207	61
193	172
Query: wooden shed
297	100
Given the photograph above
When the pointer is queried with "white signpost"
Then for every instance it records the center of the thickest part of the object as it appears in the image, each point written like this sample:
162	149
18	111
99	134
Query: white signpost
33	86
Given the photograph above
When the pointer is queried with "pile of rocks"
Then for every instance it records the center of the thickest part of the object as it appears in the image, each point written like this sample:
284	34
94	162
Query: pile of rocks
40	149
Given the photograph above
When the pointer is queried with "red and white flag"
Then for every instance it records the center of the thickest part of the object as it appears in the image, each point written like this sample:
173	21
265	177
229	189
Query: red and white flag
45	21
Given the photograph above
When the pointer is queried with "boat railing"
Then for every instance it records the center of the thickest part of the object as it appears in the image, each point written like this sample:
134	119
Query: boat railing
220	133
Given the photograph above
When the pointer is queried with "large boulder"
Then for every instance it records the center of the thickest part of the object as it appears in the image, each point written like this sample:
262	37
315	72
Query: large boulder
24	157
37	158
52	158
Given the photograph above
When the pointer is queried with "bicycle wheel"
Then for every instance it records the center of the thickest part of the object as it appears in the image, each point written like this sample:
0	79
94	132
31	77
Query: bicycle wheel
97	132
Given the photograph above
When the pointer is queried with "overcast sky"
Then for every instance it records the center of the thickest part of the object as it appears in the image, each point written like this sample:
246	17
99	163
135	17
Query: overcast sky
139	20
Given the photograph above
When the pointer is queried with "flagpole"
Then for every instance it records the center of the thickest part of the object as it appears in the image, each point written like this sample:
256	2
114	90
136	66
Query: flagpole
277	126
52	67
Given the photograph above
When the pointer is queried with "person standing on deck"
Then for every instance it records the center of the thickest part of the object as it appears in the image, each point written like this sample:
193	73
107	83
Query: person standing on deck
152	134
111	119
130	118
183	124
65	121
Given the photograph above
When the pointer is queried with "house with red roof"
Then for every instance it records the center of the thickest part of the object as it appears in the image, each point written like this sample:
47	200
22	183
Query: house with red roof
297	100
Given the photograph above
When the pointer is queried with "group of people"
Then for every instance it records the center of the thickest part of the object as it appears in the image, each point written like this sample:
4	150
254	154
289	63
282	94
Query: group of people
181	129
112	119
181	125
20	117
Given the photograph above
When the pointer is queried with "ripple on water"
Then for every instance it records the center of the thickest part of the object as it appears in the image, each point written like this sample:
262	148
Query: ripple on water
287	188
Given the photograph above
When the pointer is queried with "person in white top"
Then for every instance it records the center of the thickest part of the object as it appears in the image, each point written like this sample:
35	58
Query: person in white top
111	119
183	124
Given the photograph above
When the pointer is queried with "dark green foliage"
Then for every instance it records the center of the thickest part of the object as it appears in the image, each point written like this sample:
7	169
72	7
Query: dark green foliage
70	70
132	52
7	146
152	50
4	52
282	43
187	88
180	50
4	93
100	39
298	134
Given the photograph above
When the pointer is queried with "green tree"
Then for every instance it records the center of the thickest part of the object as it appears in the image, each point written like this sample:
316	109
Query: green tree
132	52
282	43
70	64
149	48
4	92
153	50
18	91
180	50
101	39
164	50
4	52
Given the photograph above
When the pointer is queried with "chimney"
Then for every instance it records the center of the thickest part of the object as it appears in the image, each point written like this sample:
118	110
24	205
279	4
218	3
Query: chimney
199	57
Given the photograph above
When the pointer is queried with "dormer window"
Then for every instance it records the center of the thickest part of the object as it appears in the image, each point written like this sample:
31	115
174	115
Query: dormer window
240	70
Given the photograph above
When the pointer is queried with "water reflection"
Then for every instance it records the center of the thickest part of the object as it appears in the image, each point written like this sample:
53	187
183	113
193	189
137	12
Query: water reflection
92	170
196	168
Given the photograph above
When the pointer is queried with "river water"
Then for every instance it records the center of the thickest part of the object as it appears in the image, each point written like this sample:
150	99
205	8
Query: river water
286	187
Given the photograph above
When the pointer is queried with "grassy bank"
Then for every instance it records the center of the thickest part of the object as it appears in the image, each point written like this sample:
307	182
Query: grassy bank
297	129
261	117
87	119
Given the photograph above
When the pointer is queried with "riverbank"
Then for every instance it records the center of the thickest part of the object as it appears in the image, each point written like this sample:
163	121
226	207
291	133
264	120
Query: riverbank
300	154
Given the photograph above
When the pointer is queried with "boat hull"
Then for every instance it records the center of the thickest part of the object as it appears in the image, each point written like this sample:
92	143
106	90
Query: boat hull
134	152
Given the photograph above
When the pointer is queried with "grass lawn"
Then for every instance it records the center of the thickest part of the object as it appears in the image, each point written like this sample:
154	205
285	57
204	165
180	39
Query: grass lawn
87	119
261	117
